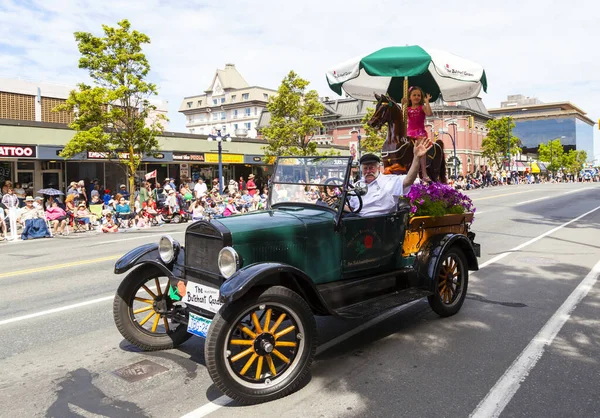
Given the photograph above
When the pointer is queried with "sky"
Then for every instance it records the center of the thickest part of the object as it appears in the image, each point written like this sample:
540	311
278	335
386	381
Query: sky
539	48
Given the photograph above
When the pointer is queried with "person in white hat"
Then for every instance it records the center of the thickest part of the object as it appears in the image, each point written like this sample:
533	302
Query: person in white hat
250	185
29	211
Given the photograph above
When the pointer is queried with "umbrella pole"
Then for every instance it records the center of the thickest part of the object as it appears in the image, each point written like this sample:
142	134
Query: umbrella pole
405	108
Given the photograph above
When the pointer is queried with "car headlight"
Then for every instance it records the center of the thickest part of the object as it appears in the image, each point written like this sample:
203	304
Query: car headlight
228	261
167	249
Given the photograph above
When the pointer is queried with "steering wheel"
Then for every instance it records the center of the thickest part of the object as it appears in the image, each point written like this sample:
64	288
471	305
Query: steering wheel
337	182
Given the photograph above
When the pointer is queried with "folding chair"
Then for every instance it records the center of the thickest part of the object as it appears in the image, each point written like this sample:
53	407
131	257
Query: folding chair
77	224
97	211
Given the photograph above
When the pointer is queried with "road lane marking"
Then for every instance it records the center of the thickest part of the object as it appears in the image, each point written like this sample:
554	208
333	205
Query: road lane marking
531	241
500	195
59	266
62	308
548	197
55	310
510	382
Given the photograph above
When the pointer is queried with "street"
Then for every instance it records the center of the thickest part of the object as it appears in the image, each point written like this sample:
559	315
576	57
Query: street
514	350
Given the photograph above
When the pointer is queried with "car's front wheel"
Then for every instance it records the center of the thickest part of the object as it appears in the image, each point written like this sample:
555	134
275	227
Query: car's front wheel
451	281
144	312
261	347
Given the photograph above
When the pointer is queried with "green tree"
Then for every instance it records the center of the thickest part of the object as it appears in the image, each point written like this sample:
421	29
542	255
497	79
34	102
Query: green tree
115	115
373	139
573	161
295	119
496	144
552	153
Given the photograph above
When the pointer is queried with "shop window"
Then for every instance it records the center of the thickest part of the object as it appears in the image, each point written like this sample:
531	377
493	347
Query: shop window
22	165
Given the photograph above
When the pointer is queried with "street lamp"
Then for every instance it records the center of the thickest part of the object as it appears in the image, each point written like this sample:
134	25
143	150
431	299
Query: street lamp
219	140
453	144
358	151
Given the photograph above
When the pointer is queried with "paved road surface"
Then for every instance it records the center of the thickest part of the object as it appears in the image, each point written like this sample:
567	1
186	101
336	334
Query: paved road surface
507	352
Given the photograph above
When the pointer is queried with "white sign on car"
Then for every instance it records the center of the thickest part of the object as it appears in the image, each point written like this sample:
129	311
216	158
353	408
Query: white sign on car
202	296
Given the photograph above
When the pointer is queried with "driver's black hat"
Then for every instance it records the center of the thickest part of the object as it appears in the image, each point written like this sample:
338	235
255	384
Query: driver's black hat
370	158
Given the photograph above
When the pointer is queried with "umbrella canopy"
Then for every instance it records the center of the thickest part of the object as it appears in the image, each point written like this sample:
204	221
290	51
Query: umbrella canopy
383	71
50	192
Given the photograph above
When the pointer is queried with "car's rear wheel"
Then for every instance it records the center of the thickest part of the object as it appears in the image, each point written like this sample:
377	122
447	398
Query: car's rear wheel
261	348
145	314
451	281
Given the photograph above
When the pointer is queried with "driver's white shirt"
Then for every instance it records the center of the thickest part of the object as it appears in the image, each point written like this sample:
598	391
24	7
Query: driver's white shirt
382	195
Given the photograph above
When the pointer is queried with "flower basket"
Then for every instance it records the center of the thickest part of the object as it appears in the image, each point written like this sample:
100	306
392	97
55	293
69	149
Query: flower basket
435	209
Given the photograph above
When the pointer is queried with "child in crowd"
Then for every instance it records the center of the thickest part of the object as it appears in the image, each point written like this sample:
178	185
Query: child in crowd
109	223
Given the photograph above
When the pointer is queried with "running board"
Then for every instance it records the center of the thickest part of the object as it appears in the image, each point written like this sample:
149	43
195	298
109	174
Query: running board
375	306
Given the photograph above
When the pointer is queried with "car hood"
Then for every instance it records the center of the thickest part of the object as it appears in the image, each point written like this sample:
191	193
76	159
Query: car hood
281	224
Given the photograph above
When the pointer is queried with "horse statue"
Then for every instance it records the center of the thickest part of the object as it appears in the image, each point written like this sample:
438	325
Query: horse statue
397	150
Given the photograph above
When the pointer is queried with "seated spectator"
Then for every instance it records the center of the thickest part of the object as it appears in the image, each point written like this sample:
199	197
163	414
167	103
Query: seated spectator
38	202
29	211
123	191
197	210
83	214
143	220
107	197
70	205
230	208
57	217
109	223
96	199
123	212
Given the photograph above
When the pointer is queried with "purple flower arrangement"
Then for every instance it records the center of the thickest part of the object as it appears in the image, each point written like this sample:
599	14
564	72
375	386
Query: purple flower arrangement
437	199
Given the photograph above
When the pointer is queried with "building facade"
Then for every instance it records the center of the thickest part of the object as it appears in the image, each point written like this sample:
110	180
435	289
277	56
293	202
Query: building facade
229	104
343	124
35	101
537	123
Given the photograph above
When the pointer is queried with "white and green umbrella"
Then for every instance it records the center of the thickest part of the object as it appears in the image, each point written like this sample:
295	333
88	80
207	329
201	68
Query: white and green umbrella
388	70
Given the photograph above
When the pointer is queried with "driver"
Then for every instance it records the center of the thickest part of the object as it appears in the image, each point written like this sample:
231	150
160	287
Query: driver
385	189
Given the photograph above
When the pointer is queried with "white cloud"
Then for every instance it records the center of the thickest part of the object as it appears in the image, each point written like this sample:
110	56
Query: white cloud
546	49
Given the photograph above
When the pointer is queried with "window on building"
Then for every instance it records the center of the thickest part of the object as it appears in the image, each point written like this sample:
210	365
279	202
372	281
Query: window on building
265	96
255	111
214	116
222	100
247	111
215	101
190	119
189	104
199	103
235	126
323	131
245	96
248	125
201	131
224	129
235	113
223	115
192	130
233	97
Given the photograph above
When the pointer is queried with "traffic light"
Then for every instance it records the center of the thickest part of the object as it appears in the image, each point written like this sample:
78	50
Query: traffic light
471	122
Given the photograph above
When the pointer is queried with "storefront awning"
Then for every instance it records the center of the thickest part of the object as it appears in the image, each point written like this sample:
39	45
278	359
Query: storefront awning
543	167
535	168
520	166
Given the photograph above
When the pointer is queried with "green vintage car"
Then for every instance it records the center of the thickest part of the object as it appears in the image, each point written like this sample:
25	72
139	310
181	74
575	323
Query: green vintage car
251	285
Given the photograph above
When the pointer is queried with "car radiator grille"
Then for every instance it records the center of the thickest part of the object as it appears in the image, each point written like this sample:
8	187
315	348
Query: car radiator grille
202	248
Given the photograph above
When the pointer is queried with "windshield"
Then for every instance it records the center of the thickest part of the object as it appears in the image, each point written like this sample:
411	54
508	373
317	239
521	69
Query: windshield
315	180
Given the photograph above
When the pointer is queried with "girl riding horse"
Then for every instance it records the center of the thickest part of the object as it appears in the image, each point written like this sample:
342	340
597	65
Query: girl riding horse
397	150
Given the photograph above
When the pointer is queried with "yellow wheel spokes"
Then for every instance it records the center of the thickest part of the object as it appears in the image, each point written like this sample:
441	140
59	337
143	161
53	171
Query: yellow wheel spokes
283	351
153	313
259	368
249	363
147	308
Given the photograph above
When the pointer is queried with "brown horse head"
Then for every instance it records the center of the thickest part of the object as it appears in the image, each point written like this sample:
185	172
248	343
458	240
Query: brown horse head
385	111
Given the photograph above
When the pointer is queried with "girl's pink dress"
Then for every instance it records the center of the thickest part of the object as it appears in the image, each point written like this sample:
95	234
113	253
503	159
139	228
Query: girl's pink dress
416	123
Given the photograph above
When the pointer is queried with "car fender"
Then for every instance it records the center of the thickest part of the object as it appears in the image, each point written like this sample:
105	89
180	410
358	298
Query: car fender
146	255
273	274
430	255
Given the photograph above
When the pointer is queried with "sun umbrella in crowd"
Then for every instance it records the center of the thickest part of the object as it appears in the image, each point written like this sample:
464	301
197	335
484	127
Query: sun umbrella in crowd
50	192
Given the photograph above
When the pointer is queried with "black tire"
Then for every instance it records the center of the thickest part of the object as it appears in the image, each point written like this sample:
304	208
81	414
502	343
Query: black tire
170	334
451	283
221	353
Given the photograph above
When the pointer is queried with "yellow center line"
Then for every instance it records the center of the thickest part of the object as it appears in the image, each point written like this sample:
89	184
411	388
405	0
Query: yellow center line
500	195
59	266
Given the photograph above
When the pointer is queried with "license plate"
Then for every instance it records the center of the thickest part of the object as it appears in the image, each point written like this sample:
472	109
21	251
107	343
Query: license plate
198	325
